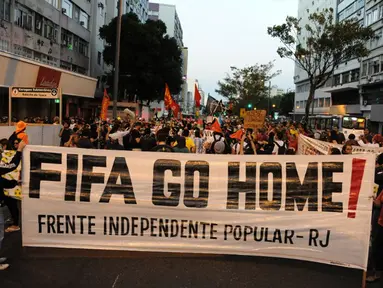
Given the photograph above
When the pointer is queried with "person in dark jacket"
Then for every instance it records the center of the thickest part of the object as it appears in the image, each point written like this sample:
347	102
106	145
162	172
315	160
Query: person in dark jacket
376	230
7	184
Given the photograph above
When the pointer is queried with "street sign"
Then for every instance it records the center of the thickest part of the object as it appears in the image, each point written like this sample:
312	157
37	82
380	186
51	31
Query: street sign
29	92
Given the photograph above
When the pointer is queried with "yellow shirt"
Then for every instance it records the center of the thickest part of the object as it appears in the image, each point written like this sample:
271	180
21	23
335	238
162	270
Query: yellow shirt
189	143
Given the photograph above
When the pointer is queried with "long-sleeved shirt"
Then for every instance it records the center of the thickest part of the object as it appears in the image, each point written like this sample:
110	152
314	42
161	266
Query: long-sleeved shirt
9	167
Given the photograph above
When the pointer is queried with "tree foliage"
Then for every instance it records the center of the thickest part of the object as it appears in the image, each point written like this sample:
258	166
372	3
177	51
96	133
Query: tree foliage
247	85
284	104
148	58
326	44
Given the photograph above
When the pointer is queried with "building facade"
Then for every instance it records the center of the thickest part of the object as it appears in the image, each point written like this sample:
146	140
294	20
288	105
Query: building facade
168	14
322	100
46	37
138	7
356	85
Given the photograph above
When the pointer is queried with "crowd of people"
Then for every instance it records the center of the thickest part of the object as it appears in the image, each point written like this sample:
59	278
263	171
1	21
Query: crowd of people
227	136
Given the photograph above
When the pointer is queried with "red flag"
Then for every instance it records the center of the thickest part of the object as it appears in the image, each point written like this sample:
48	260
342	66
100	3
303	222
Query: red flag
237	135
175	108
105	106
197	96
168	99
216	127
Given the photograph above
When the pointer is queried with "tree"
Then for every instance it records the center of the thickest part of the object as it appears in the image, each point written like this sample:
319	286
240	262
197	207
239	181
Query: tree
148	59
247	85
286	103
326	45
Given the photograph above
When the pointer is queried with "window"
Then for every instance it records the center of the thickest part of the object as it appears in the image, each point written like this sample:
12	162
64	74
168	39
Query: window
375	15
99	58
67	7
76	13
84	19
53	2
376	67
23	18
50	30
337	79
368	18
355	75
39	24
321	102
83	47
5	9
364	69
346	77
327	102
75	43
4	45
66	65
66	39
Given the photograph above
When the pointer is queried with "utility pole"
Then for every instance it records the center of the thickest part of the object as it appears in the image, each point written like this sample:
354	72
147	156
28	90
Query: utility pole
268	100
117	58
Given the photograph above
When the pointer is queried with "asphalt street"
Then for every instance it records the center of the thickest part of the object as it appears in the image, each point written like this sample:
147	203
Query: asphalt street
40	267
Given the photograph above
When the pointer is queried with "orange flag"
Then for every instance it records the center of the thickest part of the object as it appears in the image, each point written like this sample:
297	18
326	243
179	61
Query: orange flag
105	106
237	135
168	97
216	127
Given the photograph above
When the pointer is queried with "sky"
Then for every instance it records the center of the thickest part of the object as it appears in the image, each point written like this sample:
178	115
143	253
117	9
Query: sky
224	33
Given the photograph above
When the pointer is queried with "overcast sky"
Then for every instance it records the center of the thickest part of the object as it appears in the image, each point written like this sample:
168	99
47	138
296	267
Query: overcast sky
224	33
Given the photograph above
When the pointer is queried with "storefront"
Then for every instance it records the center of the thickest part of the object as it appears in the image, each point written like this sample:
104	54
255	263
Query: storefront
77	90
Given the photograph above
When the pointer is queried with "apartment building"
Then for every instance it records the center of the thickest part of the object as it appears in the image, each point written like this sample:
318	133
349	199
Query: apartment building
371	82
49	38
356	85
344	83
168	14
322	99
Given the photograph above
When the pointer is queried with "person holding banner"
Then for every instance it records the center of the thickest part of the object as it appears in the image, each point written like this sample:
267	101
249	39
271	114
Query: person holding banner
4	183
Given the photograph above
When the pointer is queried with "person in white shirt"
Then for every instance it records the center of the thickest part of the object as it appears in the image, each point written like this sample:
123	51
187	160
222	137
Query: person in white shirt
278	143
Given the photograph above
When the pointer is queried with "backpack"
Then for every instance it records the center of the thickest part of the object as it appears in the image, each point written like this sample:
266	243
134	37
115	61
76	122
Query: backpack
227	149
12	139
281	149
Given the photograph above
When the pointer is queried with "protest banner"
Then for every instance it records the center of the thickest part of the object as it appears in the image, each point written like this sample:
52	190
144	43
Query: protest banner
310	146
242	112
254	119
6	157
310	208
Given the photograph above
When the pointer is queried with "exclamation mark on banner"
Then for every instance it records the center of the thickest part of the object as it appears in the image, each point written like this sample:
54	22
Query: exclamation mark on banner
356	182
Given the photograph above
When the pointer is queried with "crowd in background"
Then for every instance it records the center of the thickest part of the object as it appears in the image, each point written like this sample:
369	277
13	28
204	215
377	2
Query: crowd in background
227	136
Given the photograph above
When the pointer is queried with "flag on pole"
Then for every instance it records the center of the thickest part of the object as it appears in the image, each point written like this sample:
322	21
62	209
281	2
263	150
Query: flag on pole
197	96
105	106
170	103
216	127
237	135
168	99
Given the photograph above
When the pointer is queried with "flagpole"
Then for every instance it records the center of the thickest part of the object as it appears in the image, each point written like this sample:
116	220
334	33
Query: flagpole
117	59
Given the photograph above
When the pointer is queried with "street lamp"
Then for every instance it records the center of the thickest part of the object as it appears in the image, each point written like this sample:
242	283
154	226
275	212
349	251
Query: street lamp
273	105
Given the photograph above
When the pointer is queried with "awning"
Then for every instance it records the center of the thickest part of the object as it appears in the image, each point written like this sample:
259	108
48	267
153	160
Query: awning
21	72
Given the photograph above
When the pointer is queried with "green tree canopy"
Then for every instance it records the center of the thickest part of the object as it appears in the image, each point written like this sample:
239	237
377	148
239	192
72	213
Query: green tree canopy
247	85
318	47
148	58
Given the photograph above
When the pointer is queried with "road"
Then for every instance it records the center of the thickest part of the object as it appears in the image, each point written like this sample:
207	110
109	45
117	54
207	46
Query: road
40	267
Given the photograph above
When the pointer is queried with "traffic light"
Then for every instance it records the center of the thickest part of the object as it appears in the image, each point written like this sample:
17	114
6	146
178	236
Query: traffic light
249	105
